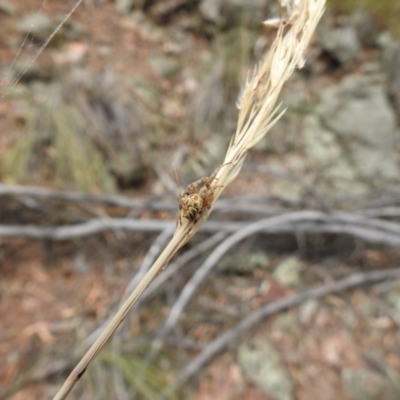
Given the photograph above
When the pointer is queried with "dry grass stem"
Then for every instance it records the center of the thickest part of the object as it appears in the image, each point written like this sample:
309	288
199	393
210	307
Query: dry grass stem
258	111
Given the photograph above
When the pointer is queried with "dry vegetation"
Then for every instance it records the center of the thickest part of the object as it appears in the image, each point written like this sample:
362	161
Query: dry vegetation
68	257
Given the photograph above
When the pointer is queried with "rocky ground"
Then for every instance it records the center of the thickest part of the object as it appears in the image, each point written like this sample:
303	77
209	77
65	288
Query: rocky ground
129	92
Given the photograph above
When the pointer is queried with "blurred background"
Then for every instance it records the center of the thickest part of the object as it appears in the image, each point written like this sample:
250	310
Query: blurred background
131	101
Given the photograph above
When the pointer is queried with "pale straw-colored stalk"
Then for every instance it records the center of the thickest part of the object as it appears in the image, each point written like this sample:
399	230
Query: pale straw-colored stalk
258	111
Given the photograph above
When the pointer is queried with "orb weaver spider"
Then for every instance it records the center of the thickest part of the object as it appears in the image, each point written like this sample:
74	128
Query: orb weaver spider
197	198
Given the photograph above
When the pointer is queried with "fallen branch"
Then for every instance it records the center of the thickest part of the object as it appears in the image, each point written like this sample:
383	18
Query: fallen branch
247	204
72	196
307	222
243	204
359	226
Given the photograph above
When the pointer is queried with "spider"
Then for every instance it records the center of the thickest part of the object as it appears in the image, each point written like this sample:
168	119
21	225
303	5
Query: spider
197	198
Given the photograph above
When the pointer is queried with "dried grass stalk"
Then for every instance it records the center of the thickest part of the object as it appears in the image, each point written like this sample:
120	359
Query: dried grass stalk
258	111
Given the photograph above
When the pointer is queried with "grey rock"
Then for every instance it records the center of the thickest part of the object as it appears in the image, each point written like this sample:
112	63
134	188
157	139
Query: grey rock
72	30
6	7
392	69
282	140
365	28
163	66
129	172
211	9
371	67
245	263
363	384
288	272
37	24
285	323
257	259
327	157
351	137
34	73
359	113
163	9
342	43
235	12
124	6
393	297
262	365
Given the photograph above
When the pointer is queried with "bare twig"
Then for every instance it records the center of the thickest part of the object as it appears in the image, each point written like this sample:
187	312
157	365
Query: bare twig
359	226
243	204
380	212
181	261
201	272
85	229
27	194
76	197
307	222
223	341
226	205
